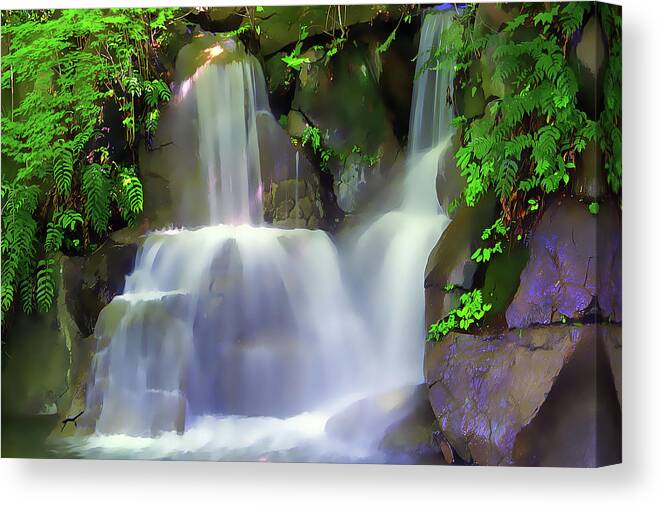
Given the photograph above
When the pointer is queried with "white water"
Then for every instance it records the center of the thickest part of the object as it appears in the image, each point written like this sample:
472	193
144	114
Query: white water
240	341
228	144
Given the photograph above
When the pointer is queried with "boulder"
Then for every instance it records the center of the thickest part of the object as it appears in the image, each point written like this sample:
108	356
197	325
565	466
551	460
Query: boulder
587	58
91	282
537	396
449	181
574	271
399	423
279	25
450	261
590	179
343	99
35	366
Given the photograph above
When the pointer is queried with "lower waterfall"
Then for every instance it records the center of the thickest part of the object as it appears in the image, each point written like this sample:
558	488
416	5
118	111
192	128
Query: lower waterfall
239	341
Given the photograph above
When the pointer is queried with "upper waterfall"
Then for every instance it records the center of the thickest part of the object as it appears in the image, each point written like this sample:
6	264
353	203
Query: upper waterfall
431	107
228	96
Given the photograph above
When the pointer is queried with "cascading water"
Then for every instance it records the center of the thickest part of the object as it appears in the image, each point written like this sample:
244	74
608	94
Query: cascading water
238	340
391	253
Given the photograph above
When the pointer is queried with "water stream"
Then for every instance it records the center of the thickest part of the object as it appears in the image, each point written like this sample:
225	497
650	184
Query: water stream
237	340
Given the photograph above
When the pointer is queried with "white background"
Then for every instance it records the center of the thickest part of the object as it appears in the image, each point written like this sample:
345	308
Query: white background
637	482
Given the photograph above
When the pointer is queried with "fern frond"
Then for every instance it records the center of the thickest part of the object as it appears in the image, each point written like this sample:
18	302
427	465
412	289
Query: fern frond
63	168
45	290
96	188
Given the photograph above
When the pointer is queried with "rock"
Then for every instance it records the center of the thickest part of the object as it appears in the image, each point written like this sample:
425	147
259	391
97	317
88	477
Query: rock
450	260
491	16
278	75
279	26
295	123
492	87
574	268
501	279
343	99
46	360
591	50
526	397
91	282
590	178
398	422
471	99
587	59
449	182
35	365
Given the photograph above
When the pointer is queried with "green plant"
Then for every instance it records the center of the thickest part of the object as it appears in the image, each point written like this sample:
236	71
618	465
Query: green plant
484	254
294	59
526	144
63	184
470	311
312	135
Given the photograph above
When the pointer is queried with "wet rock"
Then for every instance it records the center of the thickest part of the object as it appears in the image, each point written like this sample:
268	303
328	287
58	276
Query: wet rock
342	98
450	261
489	391
294	203
91	282
449	182
590	178
588	59
279	26
574	269
399	423
35	363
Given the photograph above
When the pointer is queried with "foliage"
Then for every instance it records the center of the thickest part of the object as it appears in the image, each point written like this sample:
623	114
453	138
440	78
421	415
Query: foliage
497	230
312	136
64	73
526	144
385	45
470	311
610	119
294	59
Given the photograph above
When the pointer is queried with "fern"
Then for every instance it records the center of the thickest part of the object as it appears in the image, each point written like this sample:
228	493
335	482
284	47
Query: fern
96	189
45	290
129	194
71	65
63	168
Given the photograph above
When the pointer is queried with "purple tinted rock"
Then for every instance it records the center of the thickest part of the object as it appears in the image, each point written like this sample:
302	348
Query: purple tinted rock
575	259
488	390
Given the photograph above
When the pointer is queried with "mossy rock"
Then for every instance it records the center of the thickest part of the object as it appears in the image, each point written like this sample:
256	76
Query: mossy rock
343	99
471	100
279	25
502	278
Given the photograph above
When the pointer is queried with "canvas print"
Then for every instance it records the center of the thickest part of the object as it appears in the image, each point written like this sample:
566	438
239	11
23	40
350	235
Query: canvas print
328	233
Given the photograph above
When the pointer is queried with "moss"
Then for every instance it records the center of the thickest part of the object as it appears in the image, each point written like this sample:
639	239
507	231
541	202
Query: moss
502	278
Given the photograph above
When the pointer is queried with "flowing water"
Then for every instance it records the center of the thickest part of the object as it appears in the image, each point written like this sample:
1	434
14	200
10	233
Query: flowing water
239	341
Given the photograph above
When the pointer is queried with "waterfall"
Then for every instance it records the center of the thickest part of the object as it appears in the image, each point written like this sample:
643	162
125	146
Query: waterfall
234	318
390	254
228	97
238	339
